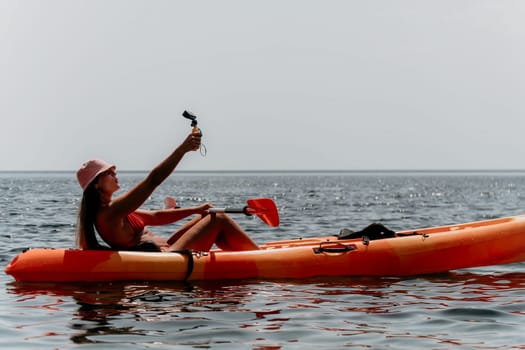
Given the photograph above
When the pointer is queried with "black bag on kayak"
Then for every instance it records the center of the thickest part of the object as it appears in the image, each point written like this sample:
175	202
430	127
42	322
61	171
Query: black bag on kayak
372	232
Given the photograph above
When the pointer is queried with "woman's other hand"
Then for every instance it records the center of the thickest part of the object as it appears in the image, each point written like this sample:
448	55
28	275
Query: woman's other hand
203	208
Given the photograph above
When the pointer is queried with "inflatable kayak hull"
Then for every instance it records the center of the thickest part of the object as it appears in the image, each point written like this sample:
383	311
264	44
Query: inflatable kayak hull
427	251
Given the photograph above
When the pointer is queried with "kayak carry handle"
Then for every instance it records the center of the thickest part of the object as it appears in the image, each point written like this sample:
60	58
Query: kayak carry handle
333	247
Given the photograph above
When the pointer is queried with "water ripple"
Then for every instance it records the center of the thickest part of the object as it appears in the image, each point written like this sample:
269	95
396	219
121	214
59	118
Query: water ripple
480	308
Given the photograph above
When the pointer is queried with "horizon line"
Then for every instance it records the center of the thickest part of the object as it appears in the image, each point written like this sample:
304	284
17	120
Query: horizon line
298	171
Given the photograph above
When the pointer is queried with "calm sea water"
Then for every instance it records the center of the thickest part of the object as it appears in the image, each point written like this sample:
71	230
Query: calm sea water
481	308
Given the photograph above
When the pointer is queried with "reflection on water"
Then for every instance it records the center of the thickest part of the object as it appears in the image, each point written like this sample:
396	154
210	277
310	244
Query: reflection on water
274	313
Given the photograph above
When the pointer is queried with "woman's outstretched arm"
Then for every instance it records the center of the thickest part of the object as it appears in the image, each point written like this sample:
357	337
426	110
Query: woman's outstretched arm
134	198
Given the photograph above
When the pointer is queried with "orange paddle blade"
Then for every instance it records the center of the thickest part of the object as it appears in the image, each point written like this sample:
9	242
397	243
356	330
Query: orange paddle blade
265	209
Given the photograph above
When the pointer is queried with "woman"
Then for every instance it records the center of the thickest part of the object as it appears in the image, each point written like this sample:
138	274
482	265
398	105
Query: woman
122	225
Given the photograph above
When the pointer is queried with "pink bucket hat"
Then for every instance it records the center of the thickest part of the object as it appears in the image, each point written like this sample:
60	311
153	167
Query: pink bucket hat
90	170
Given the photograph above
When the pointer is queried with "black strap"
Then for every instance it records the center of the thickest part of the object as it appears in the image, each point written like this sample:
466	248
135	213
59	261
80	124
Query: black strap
189	253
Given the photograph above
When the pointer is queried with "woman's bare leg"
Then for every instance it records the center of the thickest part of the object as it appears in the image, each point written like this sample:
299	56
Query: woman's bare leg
183	229
215	228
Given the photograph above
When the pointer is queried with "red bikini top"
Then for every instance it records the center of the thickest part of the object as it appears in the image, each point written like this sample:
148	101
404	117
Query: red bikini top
136	223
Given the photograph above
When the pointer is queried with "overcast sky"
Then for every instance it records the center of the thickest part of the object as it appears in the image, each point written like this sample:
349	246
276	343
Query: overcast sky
291	85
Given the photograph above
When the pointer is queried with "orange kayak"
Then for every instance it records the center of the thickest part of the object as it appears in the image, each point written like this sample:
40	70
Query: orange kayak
414	252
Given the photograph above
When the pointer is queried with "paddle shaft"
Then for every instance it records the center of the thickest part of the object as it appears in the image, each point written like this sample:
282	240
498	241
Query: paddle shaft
246	210
264	208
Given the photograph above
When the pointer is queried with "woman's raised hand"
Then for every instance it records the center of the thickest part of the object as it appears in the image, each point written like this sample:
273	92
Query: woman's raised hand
191	143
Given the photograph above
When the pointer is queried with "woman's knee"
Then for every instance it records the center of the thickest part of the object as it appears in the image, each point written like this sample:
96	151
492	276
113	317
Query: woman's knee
220	217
